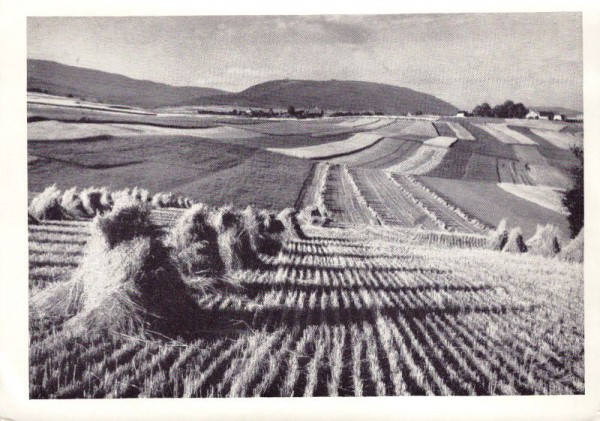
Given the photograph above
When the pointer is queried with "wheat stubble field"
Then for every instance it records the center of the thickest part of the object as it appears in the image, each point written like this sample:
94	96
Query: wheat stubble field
387	278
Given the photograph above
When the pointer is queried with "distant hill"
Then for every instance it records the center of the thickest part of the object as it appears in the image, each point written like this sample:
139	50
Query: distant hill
557	110
95	85
332	95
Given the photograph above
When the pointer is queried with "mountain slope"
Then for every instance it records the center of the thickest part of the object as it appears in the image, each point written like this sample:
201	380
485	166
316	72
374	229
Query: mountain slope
60	79
333	95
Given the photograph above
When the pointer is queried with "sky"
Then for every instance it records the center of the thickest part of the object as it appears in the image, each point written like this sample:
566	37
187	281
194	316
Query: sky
465	59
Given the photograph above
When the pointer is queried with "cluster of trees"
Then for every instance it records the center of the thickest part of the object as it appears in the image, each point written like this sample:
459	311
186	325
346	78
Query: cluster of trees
507	110
573	198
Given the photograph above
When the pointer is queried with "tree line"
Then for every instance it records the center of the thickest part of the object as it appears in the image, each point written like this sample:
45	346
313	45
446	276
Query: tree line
507	110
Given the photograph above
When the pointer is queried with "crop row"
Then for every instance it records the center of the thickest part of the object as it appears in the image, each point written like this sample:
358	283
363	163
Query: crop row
347	316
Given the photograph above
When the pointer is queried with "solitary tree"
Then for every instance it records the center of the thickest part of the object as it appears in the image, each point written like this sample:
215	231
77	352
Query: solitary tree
573	198
291	110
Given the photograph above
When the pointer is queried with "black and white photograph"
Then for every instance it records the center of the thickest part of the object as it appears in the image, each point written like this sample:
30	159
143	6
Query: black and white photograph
305	205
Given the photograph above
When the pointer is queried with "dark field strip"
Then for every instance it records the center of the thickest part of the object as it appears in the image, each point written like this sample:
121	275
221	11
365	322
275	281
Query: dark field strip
383	154
455	162
443	129
205	170
349	317
448	216
490	204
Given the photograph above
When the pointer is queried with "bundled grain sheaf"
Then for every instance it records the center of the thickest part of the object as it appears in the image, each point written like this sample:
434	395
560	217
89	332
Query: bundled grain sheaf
125	282
46	205
73	204
93	201
235	245
289	218
141	195
265	231
497	239
515	242
573	252
314	215
194	244
545	241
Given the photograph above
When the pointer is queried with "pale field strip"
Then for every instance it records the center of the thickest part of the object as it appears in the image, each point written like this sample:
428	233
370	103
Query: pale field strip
421	128
441	141
460	131
425	159
57	130
354	143
544	196
504	134
337	316
47	99
546	175
555	126
361	121
560	140
393	129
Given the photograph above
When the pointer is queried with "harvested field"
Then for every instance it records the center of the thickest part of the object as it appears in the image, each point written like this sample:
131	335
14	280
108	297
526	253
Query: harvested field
339	317
422	128
292	127
555	126
58	130
343	201
559	158
559	140
37	112
441	141
544	196
529	155
443	129
383	154
482	168
487	144
451	217
460	131
310	194
393	129
422	161
490	204
546	175
511	171
355	143
505	135
455	161
392	206
360	126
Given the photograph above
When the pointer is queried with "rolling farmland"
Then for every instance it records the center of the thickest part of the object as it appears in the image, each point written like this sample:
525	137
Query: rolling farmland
395	292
